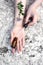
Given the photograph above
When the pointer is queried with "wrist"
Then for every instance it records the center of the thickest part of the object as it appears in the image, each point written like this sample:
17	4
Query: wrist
18	21
18	24
37	3
33	7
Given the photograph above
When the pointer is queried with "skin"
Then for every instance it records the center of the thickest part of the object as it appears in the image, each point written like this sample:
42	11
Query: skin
32	10
18	30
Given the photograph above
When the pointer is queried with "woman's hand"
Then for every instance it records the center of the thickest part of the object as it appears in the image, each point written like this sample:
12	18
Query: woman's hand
32	12
18	31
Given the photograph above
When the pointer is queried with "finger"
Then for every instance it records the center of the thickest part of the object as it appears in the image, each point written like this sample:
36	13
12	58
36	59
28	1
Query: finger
12	37
27	17
23	42
18	45
13	50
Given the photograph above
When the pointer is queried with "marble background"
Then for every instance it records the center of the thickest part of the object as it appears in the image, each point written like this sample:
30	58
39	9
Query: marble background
33	52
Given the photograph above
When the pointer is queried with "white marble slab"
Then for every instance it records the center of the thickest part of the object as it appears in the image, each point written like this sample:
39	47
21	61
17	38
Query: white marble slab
33	51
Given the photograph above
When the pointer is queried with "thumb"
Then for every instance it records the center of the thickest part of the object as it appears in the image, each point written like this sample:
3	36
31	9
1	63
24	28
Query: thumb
27	17
12	37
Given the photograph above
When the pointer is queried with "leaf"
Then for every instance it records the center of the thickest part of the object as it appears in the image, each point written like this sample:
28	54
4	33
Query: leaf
19	3
20	7
22	13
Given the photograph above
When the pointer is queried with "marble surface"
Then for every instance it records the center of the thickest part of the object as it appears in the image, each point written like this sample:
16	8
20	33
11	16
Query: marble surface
32	54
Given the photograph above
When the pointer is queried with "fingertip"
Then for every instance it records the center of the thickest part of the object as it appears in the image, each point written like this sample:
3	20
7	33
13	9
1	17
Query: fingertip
18	46
32	23
13	50
27	17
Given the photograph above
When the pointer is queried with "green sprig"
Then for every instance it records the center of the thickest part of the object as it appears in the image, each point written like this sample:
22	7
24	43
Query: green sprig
20	7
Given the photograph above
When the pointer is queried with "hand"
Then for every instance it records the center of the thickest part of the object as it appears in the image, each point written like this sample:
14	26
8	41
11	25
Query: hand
19	33
32	11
